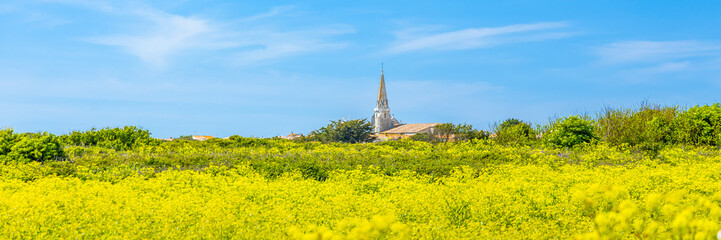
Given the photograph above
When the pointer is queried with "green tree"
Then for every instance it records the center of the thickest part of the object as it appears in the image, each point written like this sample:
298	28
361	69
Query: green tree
570	131
510	123
351	131
443	132
449	131
514	131
467	132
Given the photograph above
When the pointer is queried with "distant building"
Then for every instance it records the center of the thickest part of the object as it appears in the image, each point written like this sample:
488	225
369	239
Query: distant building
291	136
201	138
386	127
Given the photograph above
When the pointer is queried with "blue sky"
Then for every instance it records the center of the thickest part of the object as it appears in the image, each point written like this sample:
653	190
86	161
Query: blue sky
264	69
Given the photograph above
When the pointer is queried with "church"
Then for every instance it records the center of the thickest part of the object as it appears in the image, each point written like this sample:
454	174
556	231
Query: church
386	127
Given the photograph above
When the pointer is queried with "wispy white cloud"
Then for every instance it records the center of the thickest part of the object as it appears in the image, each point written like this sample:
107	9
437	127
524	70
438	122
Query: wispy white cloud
167	34
654	51
156	36
414	40
159	35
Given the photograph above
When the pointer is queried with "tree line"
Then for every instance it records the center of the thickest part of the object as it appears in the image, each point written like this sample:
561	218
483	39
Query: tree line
647	128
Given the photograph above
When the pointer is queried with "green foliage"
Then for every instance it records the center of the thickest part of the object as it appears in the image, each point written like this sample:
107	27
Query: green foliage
648	128
29	147
514	131
699	125
276	158
458	212
424	137
351	131
445	131
313	170
570	131
7	140
449	131
125	138
186	137
408	144
467	132
313	160
510	123
252	142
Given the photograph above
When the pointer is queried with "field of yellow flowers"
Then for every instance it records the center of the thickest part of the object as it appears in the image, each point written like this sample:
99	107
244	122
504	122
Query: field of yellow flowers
474	190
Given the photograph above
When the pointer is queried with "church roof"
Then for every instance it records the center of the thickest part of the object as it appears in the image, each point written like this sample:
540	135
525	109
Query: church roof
410	128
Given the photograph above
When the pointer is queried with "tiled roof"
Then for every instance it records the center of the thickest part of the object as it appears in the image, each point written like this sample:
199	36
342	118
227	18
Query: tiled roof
202	138
410	128
291	136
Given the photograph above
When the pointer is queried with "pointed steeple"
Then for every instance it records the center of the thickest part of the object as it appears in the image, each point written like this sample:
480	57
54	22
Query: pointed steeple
382	119
382	101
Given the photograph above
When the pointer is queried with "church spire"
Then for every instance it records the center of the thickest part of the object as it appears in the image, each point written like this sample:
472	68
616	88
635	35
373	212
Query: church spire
382	97
382	118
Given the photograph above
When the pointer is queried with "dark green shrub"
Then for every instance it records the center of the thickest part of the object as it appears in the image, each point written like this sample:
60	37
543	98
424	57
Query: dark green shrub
120	139
474	134
351	131
699	125
570	131
186	137
514	131
313	170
